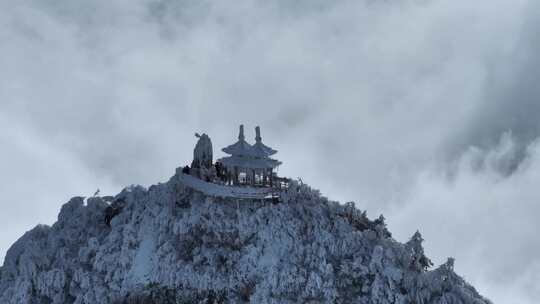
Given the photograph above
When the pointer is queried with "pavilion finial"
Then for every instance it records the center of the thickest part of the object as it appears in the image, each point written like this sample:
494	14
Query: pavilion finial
241	136
258	137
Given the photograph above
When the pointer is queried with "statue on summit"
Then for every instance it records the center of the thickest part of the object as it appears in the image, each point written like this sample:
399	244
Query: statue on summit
202	154
202	166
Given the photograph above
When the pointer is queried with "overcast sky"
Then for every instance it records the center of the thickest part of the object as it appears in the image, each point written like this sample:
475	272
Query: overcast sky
424	110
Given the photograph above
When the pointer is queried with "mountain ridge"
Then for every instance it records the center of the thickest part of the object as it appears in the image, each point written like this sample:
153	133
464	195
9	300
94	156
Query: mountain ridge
171	243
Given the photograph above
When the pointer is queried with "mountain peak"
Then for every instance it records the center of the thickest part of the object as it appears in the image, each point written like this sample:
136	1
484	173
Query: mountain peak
184	241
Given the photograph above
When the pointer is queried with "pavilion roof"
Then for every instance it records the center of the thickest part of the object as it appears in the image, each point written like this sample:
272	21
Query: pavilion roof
244	155
260	149
241	147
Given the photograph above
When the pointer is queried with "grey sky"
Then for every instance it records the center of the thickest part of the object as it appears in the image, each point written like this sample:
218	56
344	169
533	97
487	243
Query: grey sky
426	111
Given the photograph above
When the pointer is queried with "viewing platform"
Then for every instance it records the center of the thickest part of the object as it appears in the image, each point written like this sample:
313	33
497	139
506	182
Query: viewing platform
213	189
248	172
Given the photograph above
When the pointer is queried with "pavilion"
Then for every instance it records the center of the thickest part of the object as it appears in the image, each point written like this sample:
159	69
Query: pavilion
249	164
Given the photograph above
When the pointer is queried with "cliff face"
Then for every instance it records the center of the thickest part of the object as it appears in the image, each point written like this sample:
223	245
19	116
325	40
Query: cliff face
172	244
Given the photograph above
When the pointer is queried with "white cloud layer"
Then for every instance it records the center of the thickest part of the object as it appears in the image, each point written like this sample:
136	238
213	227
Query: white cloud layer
487	220
380	102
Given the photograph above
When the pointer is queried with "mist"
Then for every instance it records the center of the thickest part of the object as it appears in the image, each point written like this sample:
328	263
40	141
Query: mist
425	111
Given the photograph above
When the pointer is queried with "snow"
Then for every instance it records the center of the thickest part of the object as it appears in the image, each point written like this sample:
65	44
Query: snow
259	148
244	149
244	155
212	189
188	241
142	263
241	147
249	162
203	152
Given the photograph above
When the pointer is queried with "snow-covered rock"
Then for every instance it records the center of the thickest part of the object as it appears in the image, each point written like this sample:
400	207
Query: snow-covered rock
173	244
202	166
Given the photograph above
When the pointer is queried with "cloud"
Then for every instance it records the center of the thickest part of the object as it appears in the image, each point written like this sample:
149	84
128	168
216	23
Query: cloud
511	93
377	101
36	178
484	218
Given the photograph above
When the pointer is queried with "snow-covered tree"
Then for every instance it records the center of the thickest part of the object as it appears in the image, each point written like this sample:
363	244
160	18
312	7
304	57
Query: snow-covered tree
172	244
